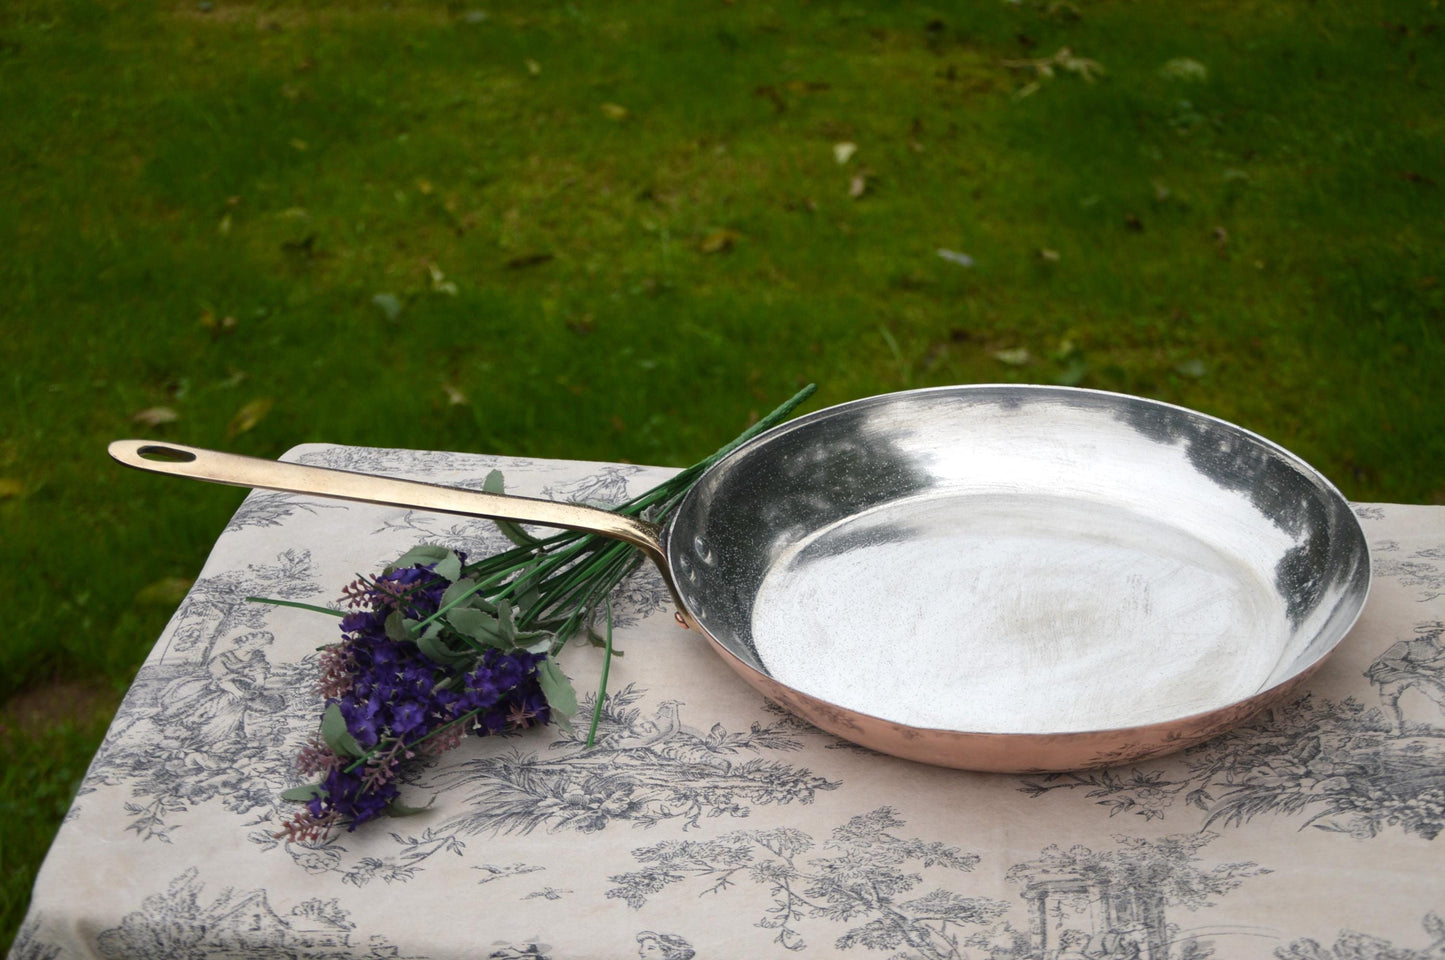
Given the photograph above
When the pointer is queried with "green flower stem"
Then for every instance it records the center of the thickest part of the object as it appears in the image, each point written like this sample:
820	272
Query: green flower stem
568	564
515	555
600	591
688	476
571	575
491	580
596	593
602	684
603	569
299	606
583	572
555	589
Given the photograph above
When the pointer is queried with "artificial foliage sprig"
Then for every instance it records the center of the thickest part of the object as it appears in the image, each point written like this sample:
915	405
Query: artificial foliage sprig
436	647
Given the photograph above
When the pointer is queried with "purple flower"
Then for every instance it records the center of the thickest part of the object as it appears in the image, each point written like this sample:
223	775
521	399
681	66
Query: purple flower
353	796
406	717
495	676
361	719
393	697
361	621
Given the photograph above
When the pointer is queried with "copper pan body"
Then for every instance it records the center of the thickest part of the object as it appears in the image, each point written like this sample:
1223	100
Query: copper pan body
998	578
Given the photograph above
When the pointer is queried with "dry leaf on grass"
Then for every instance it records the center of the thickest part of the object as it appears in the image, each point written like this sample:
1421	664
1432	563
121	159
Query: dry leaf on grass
1016	357
248	416
719	241
166	592
217	326
155	416
1044	68
528	260
387	303
1184	68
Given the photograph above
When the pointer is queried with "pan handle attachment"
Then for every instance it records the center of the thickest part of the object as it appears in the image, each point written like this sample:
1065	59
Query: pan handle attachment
241	471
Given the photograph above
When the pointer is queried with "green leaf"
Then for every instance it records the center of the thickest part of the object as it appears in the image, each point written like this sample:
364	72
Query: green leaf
558	690
448	564
333	725
397	630
514	533
464	592
528	596
422	553
505	622
337	737
436	649
523	589
303	793
476	624
397	809
449	567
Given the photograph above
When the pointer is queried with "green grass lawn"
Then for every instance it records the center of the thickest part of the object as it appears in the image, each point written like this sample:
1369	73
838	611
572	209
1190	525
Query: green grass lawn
620	231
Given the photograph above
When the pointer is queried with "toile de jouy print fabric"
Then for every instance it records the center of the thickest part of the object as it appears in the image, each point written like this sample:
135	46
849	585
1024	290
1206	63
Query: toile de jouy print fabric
705	822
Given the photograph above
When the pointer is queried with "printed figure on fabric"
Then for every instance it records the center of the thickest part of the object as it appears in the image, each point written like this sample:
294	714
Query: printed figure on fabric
213	717
663	946
181	922
228	699
1416	664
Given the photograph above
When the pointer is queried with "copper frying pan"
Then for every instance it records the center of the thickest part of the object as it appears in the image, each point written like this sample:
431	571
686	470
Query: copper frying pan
1003	578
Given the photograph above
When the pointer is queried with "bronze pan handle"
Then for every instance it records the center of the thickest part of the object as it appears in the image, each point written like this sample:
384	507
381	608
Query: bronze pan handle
241	471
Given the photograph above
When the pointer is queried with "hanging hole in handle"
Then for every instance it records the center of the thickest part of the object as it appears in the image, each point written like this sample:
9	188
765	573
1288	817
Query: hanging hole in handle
163	454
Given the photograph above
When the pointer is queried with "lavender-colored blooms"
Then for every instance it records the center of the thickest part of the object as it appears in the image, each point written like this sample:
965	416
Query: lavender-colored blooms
395	700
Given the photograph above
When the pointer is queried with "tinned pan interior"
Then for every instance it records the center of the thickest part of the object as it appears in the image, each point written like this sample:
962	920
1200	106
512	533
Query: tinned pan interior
1006	559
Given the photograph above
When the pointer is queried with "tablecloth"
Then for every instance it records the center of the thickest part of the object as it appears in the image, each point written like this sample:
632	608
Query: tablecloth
706	822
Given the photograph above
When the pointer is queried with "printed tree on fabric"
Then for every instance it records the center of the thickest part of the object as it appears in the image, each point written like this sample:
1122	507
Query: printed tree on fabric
1341	765
884	892
864	878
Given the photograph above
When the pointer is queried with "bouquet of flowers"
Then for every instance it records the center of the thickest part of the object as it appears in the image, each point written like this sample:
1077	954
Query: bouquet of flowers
438	646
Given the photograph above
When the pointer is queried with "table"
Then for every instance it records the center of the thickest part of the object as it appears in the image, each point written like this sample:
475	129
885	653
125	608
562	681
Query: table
708	823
